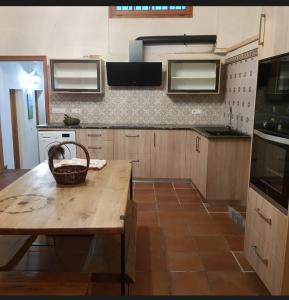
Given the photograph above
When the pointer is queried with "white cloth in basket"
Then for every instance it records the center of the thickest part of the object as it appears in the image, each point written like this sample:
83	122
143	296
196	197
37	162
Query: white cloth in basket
94	163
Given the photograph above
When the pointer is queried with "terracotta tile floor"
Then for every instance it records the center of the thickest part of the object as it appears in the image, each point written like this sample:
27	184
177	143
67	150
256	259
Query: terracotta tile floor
184	247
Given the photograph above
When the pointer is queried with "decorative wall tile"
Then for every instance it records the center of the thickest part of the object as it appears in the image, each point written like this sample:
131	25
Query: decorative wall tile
243	101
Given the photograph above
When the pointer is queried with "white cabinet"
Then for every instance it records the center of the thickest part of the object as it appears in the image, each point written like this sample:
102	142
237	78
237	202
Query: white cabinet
83	75
193	76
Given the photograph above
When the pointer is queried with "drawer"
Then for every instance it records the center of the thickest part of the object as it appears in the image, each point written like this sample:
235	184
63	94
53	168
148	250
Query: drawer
270	223
140	163
91	136
99	150
269	265
132	141
101	155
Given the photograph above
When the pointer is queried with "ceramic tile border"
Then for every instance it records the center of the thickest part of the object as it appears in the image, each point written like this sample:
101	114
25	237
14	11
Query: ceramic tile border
242	56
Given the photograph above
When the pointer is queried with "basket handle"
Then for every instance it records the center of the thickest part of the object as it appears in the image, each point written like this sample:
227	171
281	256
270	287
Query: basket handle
50	158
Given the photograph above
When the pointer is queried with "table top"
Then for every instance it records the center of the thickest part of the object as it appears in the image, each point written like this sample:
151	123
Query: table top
35	204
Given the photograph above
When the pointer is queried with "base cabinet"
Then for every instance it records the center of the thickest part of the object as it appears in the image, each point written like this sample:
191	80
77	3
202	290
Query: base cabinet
168	154
265	242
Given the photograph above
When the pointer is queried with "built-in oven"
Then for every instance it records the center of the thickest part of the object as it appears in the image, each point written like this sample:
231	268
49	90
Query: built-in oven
270	167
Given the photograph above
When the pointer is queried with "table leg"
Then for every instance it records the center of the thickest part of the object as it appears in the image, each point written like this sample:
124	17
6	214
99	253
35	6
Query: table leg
122	264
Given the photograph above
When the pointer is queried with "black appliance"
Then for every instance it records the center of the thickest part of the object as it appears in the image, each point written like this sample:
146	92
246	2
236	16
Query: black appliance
270	148
134	73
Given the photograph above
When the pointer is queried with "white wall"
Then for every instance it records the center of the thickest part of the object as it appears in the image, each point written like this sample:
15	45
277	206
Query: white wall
71	32
13	77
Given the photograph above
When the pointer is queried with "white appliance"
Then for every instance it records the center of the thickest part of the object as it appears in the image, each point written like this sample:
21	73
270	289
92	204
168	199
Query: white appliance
48	139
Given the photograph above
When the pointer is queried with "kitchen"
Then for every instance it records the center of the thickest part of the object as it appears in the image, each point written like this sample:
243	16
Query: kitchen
177	103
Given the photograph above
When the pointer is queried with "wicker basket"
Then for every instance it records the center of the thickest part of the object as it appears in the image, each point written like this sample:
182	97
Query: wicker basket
69	175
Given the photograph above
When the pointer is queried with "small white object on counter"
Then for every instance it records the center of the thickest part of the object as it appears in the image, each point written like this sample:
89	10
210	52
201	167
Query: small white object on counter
94	163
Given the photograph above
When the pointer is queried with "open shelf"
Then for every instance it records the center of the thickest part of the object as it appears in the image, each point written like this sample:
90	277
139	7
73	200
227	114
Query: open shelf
193	76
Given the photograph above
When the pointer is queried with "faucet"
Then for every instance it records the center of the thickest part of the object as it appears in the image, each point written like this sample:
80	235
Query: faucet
230	118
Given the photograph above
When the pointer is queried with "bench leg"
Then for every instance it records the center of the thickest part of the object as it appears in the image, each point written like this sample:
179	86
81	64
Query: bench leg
122	264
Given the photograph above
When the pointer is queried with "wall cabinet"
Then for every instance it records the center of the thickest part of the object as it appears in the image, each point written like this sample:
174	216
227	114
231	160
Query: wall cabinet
82	75
168	154
274	31
193	76
266	239
219	167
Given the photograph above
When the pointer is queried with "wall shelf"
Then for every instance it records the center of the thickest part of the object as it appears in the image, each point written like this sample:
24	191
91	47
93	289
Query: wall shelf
76	76
193	76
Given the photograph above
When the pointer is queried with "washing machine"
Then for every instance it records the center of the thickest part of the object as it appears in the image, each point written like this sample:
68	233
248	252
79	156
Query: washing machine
49	139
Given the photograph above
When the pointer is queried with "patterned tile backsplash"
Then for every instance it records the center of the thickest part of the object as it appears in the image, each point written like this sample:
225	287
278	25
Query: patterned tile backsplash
240	95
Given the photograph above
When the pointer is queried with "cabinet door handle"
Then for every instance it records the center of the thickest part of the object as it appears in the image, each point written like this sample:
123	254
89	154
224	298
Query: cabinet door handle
264	261
133	136
94	134
95	148
262	36
261	214
198	144
154	139
134	161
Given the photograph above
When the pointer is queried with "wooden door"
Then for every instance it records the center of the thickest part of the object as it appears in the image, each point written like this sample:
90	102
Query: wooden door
274	31
168	154
14	124
1	152
202	159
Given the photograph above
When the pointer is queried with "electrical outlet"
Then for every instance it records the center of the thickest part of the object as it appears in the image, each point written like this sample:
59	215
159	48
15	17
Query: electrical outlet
76	110
196	111
58	110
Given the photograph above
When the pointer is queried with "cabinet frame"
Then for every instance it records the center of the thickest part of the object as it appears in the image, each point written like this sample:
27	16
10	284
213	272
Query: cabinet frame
99	78
188	91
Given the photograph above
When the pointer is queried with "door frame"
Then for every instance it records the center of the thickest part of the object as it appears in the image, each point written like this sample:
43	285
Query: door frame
40	58
2	167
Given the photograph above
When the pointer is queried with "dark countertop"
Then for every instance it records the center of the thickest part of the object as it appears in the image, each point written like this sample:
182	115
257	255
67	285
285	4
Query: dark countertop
198	128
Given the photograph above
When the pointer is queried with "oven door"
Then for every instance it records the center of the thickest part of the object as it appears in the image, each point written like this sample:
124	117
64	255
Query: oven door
270	166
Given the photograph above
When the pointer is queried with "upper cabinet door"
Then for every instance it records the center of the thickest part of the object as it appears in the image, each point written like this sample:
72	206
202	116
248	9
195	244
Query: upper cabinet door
274	31
168	155
78	76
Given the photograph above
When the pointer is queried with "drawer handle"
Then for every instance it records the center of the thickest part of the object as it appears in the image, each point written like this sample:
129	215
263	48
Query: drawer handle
134	161
133	136
94	134
95	148
259	212
262	22
264	261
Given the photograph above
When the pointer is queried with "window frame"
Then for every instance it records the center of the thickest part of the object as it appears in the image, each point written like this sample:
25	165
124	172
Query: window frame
188	13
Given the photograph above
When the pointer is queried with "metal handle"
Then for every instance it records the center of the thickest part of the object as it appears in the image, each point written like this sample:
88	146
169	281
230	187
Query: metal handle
261	41
198	144
271	138
134	161
264	261
133	136
154	139
260	213
95	148
94	134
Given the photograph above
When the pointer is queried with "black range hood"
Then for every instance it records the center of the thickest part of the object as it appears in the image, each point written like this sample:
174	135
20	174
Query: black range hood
134	73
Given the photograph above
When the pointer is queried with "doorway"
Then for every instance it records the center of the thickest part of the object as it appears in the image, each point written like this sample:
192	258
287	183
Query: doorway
2	167
24	104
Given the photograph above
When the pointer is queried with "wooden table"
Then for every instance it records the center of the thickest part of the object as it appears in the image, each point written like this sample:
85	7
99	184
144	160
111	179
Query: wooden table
35	204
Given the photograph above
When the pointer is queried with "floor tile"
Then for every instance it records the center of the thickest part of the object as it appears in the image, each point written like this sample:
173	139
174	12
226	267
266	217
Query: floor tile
169	206
243	261
146	206
211	243
219	261
189	199
186	192
222	218
199	218
176	229
104	289
184	261
150	284
217	208
167	198
143	186
193	207
189	283
144	196
235	242
204	230
184	185
147	218
180	244
230	229
235	283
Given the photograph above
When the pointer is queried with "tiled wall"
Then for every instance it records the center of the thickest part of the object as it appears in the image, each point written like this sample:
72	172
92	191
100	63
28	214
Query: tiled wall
140	105
240	93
